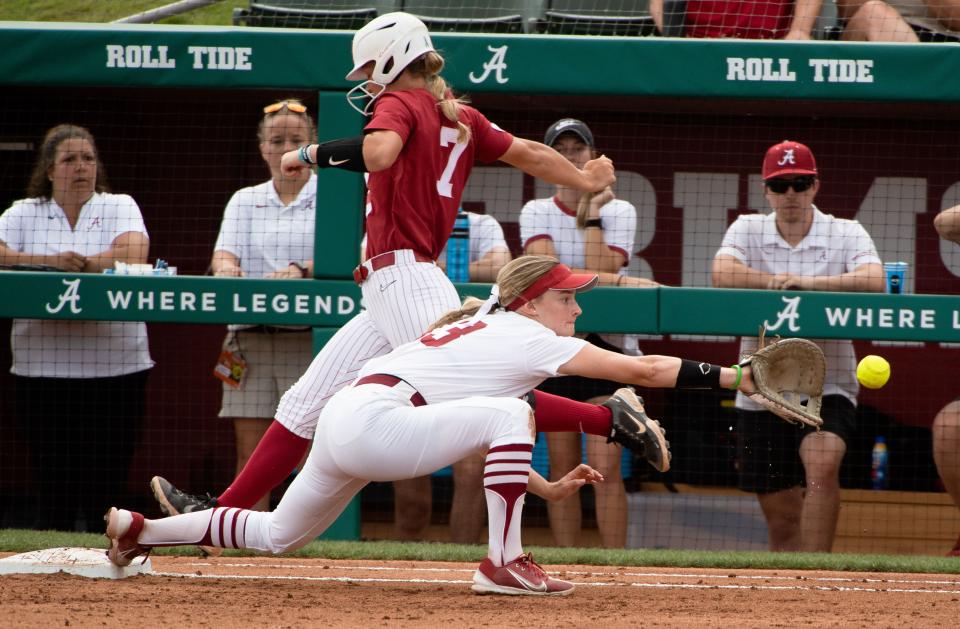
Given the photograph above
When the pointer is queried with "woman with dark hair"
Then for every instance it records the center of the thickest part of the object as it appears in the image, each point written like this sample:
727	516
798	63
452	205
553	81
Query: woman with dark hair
79	384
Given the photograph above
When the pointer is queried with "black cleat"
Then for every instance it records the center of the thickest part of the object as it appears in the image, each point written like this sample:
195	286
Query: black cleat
175	502
632	428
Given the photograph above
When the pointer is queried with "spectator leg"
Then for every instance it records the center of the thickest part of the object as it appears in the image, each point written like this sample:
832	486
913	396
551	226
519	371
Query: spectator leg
821	454
412	504
876	20
565	517
611	496
782	510
946	449
469	508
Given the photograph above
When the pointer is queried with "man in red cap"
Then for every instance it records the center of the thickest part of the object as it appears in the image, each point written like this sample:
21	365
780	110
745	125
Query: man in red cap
795	472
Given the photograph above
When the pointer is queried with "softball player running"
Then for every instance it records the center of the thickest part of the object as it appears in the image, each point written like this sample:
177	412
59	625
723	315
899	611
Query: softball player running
413	412
419	148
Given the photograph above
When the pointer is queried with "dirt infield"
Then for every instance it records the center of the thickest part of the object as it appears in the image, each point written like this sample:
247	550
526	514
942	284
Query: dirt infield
291	592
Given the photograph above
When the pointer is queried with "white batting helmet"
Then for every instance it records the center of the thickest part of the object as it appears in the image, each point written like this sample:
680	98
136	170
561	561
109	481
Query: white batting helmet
393	41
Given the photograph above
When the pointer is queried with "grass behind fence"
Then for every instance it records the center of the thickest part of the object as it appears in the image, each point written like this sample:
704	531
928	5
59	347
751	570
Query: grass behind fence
107	11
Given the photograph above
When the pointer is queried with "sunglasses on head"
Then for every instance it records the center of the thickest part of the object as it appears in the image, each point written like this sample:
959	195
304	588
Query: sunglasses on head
799	184
293	106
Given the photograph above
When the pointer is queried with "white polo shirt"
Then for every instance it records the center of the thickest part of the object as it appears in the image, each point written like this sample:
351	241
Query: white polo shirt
265	234
74	349
833	246
549	218
485	234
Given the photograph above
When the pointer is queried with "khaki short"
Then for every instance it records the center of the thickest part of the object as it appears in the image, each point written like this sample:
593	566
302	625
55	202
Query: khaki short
275	361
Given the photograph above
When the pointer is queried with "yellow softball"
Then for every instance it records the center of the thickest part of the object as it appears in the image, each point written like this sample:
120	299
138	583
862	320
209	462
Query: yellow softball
873	371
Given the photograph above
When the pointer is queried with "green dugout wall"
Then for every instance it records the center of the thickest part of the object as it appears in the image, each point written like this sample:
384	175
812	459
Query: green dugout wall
730	75
503	73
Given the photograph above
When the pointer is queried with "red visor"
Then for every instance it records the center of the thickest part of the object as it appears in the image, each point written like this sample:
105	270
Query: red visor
559	277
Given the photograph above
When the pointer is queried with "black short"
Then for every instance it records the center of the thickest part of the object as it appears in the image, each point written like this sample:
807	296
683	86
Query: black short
928	36
768	448
579	388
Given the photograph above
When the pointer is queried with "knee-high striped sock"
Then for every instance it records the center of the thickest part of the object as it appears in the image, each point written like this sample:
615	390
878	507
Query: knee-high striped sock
227	529
505	478
224	527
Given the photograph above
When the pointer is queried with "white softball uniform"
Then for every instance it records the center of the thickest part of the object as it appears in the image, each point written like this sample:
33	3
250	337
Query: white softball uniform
833	246
74	349
402	301
470	375
551	219
363	338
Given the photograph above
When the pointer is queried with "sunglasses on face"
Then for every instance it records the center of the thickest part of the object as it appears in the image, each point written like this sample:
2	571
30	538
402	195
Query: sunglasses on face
293	106
780	186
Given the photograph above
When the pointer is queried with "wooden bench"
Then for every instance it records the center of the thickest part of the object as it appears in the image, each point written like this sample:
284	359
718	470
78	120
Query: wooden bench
896	522
883	522
886	522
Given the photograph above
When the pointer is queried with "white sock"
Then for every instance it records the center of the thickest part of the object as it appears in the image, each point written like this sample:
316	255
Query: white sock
505	477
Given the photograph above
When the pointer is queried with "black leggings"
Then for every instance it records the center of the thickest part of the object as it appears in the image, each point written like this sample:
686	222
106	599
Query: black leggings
81	433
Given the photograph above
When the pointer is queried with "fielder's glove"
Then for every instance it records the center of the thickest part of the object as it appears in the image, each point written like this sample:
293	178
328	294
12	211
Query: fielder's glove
783	372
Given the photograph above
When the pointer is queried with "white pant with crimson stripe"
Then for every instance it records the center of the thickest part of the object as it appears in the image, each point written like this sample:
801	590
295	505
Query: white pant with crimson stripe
373	433
401	301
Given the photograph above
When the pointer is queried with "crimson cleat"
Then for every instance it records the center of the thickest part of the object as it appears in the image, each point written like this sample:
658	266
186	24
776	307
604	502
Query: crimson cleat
123	529
956	549
521	577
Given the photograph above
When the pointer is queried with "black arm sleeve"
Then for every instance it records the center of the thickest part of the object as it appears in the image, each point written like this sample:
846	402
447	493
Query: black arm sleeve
694	375
346	154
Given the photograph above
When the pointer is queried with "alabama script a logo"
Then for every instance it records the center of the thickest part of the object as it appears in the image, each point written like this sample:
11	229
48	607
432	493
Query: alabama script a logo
789	314
70	296
497	65
787	158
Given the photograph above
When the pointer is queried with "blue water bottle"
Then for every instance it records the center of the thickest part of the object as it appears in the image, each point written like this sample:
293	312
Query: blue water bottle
458	249
878	465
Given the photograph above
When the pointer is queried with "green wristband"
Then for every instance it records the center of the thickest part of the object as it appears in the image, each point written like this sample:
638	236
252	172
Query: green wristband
736	383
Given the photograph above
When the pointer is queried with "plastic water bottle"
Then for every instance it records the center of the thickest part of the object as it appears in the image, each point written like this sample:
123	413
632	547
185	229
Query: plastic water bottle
458	249
878	466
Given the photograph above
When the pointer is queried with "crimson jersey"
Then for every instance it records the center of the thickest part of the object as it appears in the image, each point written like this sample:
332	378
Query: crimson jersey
414	203
744	19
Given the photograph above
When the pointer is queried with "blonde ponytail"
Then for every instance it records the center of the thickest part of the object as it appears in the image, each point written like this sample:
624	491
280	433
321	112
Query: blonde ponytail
467	310
429	66
583	209
513	279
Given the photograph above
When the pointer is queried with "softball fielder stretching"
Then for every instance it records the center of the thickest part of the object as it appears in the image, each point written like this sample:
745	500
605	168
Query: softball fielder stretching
413	412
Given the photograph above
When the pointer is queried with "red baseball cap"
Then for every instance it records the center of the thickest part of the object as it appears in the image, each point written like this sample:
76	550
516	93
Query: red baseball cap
560	277
788	158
